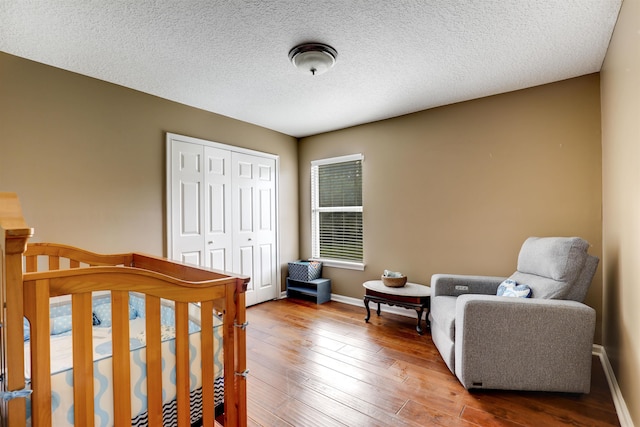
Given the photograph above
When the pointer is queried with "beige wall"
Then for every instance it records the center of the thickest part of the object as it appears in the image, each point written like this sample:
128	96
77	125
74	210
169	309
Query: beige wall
453	189
457	189
87	158
621	201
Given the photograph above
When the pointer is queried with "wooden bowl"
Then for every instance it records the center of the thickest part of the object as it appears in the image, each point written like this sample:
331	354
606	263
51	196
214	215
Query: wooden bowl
394	282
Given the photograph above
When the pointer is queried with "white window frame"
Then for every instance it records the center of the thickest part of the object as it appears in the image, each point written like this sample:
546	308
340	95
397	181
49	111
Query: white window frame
316	210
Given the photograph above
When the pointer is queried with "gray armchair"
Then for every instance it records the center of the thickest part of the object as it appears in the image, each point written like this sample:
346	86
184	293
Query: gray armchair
539	343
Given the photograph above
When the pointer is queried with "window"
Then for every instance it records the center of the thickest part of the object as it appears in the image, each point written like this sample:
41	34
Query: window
336	211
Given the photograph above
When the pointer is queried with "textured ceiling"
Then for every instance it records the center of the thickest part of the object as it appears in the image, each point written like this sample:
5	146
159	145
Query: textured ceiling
394	57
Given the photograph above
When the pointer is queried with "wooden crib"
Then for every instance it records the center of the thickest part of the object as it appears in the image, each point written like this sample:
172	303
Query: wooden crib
78	274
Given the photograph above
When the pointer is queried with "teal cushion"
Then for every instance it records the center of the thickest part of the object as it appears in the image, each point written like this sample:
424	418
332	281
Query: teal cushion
542	287
27	329
60	324
510	288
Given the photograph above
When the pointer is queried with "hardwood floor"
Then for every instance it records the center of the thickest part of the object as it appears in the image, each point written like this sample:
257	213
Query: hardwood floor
322	365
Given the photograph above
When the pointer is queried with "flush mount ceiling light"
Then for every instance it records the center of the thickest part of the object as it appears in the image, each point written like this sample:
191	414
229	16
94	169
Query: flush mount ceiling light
313	58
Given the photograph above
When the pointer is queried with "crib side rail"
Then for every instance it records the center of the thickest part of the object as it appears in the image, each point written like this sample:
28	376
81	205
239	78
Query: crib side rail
176	269
225	292
75	257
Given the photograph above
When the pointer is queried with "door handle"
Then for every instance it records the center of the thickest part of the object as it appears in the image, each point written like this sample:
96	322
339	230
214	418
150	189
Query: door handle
210	242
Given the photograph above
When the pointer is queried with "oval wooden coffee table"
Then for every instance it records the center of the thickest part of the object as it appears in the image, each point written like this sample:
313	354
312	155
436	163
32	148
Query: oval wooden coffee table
412	296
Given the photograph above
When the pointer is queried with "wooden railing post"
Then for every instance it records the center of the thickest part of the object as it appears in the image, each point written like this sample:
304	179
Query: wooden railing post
14	234
241	356
230	372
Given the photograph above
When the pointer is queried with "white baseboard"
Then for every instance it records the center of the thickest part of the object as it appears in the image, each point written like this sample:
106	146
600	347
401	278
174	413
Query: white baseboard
598	350
360	303
618	400
383	307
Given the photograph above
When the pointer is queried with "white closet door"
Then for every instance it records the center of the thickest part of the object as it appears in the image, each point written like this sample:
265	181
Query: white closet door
253	207
187	209
217	201
222	211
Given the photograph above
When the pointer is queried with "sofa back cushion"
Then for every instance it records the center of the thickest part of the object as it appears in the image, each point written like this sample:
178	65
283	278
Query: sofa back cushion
558	258
578	291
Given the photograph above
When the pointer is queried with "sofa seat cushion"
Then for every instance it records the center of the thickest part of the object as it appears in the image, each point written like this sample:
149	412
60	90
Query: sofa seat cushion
443	313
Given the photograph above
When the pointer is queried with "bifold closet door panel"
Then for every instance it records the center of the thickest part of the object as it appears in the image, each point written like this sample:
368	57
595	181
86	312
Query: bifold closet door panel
186	204
254	224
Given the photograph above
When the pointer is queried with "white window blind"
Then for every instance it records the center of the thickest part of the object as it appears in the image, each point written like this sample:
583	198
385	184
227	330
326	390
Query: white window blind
336	198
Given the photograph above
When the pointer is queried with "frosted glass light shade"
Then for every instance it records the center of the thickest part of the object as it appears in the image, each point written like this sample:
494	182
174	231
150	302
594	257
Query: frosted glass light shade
313	58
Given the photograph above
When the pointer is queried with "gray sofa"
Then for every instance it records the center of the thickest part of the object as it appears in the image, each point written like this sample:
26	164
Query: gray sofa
539	343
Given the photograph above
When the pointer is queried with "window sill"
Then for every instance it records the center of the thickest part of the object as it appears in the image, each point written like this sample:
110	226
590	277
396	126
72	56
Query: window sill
340	264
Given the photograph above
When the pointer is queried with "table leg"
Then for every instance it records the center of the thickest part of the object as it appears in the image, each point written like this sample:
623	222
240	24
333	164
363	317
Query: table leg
378	311
426	316
366	305
418	327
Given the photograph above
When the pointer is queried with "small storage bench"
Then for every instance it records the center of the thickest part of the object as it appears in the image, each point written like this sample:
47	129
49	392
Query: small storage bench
320	289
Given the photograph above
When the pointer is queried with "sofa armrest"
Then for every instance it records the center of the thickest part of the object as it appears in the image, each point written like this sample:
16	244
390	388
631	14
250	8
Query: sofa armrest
523	344
458	284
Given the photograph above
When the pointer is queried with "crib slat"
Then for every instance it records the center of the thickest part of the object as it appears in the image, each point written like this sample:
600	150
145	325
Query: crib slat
54	262
154	360
31	263
206	341
121	360
82	359
37	311
182	363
